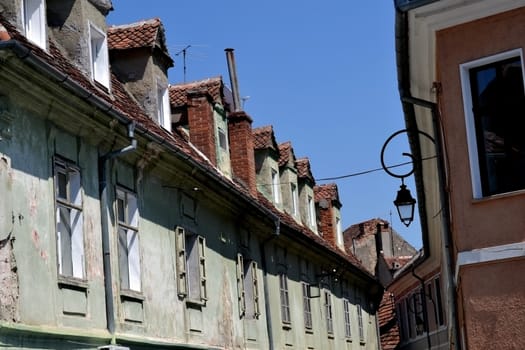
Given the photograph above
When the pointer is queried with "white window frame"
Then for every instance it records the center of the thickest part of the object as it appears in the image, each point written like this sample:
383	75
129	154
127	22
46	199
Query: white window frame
129	242
295	199
34	20
329	312
285	299
307	307
360	321
469	115
276	186
99	56
163	106
311	212
69	220
339	232
348	322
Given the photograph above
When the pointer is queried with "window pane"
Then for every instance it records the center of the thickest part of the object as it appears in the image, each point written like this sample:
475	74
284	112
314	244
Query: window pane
499	117
133	260
62	185
123	258
64	241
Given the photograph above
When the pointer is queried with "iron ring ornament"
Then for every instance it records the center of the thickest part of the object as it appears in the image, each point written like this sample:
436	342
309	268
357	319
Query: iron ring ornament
404	201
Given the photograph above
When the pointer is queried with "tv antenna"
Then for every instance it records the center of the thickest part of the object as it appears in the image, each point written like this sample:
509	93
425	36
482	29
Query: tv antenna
183	52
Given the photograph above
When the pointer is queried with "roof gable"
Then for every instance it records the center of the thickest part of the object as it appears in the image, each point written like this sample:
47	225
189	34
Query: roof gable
143	34
303	169
264	138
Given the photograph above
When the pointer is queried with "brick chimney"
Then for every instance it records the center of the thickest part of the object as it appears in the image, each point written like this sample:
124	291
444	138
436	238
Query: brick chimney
201	123
241	150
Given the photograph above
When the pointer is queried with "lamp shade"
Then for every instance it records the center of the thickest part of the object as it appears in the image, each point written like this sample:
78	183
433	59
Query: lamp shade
405	204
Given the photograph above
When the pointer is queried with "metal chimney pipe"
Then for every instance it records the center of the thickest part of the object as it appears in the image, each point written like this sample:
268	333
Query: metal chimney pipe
233	80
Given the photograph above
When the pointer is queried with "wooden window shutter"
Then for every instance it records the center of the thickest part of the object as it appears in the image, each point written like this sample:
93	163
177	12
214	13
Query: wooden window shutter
180	247
240	285
202	263
255	289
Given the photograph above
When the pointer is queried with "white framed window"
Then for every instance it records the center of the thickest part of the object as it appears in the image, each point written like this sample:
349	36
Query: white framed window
339	232
348	324
276	187
128	240
69	220
295	199
163	107
360	321
311	212
493	93
34	18
191	266
247	287
328	312
285	298
307	306
98	47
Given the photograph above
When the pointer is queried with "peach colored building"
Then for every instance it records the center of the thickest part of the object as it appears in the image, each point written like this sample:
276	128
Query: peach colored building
461	81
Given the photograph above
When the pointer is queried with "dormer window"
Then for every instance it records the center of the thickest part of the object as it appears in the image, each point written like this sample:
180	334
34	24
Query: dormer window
99	55
295	200
311	212
276	187
163	107
35	21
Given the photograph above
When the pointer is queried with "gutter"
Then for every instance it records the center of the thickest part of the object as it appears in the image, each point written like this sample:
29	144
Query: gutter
408	103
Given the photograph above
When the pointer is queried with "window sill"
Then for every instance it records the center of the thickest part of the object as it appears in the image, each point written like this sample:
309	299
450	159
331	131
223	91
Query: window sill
133	295
348	340
72	283
498	196
331	336
309	331
195	303
287	326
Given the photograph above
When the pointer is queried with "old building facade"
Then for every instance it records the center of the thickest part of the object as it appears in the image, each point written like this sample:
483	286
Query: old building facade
136	215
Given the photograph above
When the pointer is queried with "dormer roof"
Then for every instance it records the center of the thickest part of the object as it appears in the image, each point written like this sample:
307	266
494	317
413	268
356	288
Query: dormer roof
212	86
286	154
303	169
264	138
143	34
327	192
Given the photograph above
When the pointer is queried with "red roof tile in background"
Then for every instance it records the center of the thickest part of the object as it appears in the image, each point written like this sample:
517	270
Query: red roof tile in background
303	169
388	326
328	192
135	35
285	151
213	86
264	138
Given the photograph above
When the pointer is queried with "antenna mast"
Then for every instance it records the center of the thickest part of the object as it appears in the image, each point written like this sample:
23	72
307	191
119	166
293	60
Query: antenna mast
183	51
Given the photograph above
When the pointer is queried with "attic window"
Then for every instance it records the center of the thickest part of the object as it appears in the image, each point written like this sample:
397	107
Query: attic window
163	107
99	55
223	144
35	22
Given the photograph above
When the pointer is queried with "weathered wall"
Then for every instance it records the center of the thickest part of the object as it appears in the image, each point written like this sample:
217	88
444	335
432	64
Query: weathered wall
475	221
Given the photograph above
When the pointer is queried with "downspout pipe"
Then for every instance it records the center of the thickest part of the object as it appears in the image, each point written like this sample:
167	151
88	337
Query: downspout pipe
425	310
106	222
267	309
408	102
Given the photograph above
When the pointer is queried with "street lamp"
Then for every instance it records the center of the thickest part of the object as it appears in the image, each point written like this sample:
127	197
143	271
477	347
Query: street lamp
404	201
405	204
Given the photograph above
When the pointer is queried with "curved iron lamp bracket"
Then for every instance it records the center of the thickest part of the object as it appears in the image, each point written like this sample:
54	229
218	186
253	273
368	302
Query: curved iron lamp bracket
385	168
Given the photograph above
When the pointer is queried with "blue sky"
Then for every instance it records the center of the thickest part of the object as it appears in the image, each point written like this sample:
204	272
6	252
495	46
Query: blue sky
322	73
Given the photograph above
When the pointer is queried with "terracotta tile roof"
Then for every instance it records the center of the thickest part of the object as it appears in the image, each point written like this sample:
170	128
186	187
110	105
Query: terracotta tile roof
285	152
397	262
303	169
365	228
264	138
388	327
134	35
121	102
327	191
213	86
310	235
143	34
